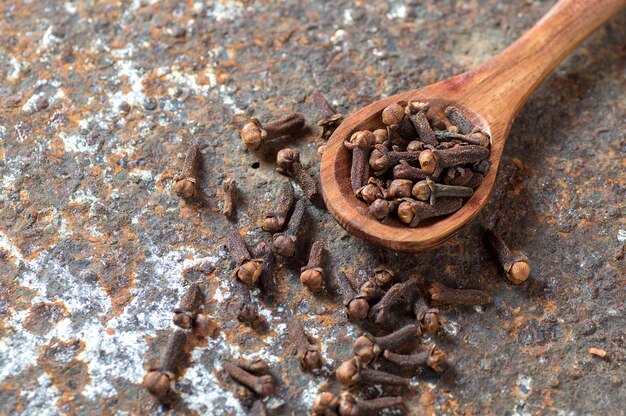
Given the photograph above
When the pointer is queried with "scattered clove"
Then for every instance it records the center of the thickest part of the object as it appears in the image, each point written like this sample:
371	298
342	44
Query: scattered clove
398	296
258	366
312	275
329	118
254	133
247	270
275	221
516	267
185	182
356	307
428	318
267	281
284	244
185	314
261	385
258	408
352	371
326	404
288	161
308	353
449	296
433	357
349	406
158	379
367	347
230	196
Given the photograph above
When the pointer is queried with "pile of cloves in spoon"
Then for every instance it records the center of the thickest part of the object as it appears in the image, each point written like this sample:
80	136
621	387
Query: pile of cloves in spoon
418	167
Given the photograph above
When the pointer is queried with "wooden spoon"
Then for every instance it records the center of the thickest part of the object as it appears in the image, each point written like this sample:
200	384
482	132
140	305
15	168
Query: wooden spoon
491	95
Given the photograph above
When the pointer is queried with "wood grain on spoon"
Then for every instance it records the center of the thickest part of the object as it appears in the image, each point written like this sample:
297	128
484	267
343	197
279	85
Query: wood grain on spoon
490	95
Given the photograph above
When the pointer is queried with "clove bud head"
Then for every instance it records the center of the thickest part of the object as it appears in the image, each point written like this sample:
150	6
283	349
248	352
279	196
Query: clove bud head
358	308
185	187
182	320
204	326
365	349
157	383
518	272
325	403
348	372
252	134
310	359
264	386
428	161
312	278
284	245
249	271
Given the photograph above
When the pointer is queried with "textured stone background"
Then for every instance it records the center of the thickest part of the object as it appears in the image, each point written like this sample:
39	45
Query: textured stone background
95	250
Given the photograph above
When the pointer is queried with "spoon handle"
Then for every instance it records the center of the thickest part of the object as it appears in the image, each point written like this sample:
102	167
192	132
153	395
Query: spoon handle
506	81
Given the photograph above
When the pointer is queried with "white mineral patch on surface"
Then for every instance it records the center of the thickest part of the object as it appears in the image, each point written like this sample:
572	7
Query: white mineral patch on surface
225	10
621	236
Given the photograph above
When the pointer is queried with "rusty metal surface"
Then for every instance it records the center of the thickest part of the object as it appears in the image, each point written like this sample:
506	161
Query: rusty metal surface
96	250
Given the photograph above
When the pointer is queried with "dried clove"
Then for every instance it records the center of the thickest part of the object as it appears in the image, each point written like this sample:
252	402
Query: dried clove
433	357
261	385
449	296
477	139
288	161
275	221
367	347
373	190
381	159
400	188
428	318
247	270
352	371
398	296
382	276
258	408
158	379
284	244
356	307
412	212
312	275
325	404
516	267
360	143
458	119
185	182
349	406
247	312
258	366
434	161
329	118
405	171
185	314
394	116
254	133
416	111
230	196
381	208
427	190
267	282
308	353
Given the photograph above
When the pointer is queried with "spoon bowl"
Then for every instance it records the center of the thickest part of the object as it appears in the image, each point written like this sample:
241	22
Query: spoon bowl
489	96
